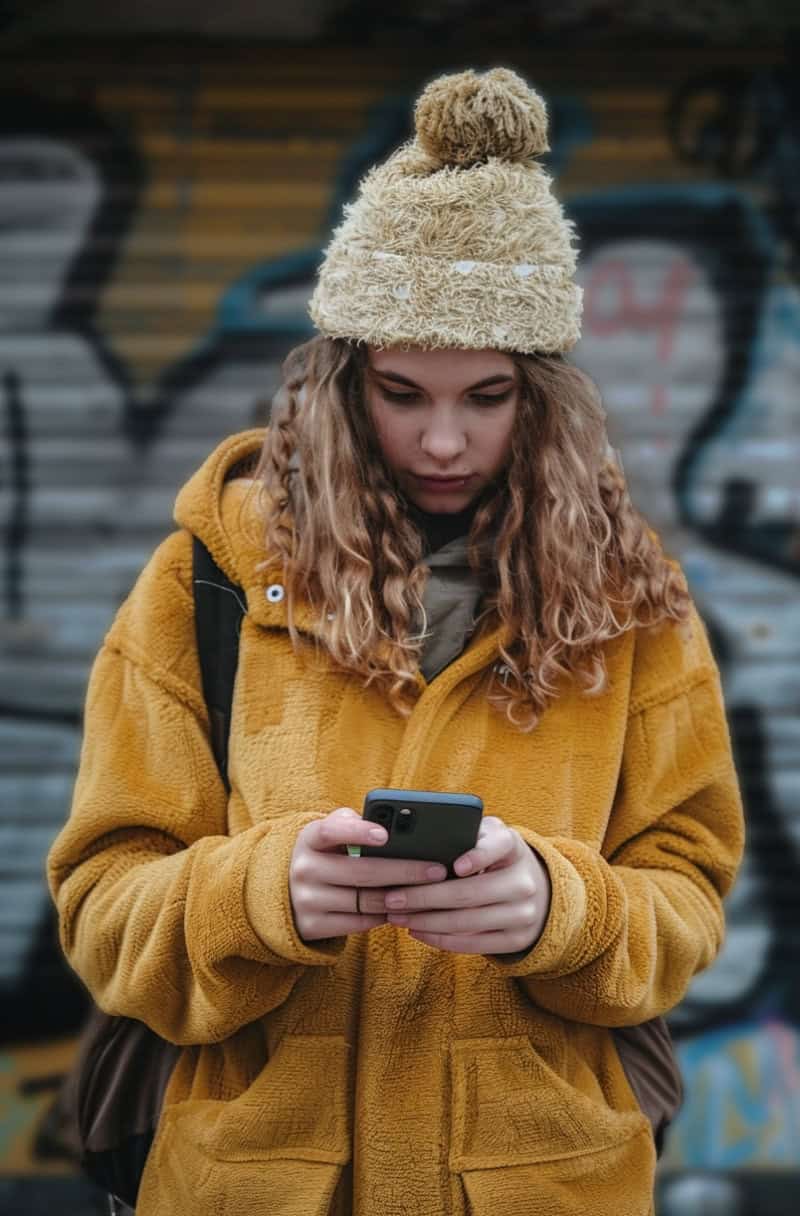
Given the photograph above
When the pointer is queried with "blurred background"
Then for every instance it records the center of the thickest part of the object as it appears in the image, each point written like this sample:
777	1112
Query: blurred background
169	173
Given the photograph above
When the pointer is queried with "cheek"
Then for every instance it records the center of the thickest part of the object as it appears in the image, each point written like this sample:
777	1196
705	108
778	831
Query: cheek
509	435
498	440
387	432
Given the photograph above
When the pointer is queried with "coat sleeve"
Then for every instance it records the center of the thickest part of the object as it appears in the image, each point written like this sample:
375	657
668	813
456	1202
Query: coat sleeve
630	924
165	916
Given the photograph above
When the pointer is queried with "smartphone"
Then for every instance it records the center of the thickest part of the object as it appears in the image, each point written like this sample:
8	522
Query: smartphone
423	825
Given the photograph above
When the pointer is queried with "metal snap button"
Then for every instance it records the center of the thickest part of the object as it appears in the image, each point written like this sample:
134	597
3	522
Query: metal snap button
274	593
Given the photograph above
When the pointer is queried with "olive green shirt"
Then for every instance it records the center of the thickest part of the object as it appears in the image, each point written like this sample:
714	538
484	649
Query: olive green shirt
451	599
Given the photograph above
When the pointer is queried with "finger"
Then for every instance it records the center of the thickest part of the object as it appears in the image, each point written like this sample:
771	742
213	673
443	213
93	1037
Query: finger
338	925
370	900
338	870
496	843
495	917
342	827
497	887
311	902
475	943
341	899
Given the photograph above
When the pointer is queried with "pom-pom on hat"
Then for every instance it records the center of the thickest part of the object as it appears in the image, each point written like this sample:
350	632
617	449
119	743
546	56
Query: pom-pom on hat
457	240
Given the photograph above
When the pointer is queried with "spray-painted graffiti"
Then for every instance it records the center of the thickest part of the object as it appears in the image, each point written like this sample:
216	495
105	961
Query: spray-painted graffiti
744	1101
67	189
680	310
672	336
692	331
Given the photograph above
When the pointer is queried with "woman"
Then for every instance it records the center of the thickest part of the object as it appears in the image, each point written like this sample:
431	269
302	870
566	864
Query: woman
447	588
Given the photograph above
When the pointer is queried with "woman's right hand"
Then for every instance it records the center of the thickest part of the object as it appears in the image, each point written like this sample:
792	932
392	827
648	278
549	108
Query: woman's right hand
333	894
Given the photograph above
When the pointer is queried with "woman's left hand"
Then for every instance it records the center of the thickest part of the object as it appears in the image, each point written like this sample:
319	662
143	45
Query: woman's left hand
501	908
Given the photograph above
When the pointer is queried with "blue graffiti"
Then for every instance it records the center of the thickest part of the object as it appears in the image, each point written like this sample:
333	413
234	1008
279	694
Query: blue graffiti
743	1104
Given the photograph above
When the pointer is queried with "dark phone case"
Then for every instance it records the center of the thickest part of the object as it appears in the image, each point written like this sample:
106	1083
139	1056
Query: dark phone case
441	827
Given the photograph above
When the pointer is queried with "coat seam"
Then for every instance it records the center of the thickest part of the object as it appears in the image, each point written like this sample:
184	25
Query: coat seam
671	692
181	692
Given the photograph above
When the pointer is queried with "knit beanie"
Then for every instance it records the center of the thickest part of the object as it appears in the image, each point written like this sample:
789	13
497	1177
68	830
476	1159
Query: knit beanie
457	240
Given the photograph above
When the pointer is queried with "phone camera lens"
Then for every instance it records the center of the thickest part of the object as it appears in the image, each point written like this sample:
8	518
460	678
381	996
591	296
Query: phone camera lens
405	819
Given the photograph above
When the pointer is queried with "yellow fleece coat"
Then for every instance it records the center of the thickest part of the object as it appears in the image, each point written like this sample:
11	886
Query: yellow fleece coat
375	1074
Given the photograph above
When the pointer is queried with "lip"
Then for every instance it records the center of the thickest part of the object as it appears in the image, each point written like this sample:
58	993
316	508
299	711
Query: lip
441	484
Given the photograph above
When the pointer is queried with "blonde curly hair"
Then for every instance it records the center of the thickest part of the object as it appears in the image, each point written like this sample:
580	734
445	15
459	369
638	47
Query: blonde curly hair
563	559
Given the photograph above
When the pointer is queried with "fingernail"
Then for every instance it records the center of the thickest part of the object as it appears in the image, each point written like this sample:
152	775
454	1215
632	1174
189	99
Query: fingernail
435	872
463	866
378	835
395	900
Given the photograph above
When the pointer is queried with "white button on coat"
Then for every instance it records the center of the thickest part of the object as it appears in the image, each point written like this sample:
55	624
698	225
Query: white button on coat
275	593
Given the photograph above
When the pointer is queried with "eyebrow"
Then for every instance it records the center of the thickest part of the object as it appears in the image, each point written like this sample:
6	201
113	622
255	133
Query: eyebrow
501	379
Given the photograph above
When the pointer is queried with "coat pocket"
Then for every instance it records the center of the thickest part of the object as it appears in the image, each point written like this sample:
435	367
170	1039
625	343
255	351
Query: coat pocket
280	1146
525	1141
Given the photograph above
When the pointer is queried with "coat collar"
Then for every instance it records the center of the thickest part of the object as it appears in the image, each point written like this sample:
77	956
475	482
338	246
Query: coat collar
224	512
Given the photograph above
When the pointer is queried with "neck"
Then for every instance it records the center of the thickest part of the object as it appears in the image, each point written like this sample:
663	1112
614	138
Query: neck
438	529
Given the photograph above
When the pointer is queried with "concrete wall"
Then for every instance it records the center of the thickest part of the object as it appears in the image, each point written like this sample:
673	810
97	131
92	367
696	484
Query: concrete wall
161	213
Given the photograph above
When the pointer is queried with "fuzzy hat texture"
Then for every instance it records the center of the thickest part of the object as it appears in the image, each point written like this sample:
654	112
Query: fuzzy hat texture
457	240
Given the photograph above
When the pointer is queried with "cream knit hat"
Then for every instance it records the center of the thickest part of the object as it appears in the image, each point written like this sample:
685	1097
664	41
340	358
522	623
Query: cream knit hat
457	240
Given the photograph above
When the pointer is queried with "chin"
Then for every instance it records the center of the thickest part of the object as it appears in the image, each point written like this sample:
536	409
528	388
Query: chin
442	504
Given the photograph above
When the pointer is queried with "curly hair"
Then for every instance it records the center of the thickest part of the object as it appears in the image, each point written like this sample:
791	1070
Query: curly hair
564	561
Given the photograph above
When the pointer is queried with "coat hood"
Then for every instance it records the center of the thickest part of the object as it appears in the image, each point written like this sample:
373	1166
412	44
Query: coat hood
223	506
220	506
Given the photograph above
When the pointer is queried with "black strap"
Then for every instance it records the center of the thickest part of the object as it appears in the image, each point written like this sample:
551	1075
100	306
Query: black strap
219	606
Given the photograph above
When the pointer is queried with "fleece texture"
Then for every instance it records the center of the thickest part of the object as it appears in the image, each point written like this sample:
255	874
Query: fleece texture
373	1074
457	240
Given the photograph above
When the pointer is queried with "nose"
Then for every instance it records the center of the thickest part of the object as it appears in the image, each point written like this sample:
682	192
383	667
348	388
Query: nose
443	438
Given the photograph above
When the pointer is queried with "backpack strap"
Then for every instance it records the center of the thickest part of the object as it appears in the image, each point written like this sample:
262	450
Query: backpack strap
219	606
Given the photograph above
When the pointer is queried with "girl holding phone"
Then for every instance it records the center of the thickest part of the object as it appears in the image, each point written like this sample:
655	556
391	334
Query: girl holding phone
447	588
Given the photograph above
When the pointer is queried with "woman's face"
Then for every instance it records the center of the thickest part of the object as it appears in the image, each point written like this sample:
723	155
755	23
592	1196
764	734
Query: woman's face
443	419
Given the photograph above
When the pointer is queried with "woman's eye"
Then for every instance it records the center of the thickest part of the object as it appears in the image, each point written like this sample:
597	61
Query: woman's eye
401	397
491	398
479	398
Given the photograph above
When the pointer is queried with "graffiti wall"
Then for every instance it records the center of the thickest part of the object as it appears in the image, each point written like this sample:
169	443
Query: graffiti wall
159	229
